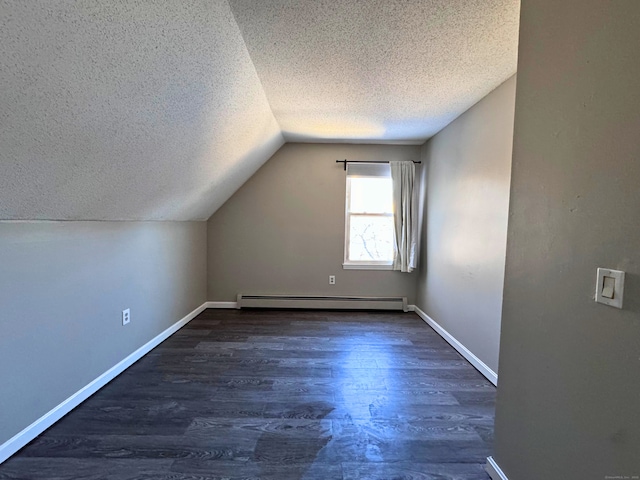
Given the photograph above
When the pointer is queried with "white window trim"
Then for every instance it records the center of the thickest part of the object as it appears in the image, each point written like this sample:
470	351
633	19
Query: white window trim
361	265
367	266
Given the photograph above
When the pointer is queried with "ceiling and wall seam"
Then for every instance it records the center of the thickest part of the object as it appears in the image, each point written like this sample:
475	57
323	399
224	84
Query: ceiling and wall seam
515	74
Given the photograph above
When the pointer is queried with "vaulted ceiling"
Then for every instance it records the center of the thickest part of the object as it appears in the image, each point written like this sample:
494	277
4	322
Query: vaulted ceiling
160	110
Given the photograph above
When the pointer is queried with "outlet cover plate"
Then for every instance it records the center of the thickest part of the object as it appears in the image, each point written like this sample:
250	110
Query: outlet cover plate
126	316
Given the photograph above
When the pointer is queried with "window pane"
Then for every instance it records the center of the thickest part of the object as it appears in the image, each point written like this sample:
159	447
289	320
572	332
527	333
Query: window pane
371	238
371	195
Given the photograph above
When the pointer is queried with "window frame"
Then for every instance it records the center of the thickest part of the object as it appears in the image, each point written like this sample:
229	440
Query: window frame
360	264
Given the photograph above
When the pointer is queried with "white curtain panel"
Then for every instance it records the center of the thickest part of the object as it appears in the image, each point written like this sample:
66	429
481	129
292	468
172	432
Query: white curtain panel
405	215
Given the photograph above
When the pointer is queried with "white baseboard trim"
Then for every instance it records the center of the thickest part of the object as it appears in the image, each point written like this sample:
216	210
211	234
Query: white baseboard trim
221	305
464	351
15	443
494	470
411	308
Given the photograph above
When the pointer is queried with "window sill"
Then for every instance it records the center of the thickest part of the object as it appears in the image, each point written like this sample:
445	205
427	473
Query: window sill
367	266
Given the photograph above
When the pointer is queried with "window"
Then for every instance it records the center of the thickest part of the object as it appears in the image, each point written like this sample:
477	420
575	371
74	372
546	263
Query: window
369	226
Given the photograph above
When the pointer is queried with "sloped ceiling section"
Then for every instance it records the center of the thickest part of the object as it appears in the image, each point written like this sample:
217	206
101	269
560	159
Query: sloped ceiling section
377	70
126	110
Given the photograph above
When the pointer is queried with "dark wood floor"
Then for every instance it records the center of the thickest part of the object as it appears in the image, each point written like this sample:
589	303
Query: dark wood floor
280	396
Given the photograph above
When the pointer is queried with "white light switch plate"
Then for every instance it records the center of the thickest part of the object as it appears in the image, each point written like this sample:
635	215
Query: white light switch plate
618	289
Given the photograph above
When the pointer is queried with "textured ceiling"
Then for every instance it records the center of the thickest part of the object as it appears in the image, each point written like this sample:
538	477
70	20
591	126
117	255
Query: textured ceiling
161	109
377	70
126	110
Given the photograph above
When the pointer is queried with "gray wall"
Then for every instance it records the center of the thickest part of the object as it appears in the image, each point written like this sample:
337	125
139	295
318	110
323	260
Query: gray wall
63	286
283	231
466	206
569	394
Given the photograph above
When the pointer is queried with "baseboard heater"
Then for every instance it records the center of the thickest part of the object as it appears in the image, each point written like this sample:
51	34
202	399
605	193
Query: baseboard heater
322	302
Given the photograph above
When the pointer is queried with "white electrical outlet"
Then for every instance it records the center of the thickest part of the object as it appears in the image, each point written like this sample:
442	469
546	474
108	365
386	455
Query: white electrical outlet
332	279
126	316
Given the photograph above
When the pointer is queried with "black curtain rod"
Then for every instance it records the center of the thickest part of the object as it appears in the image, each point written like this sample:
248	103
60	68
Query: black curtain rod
364	161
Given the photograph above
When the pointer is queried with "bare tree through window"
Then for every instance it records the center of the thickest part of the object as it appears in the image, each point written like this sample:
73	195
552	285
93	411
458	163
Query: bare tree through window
369	220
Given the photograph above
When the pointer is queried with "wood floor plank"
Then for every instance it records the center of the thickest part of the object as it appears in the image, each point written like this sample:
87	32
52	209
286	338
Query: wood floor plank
279	395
